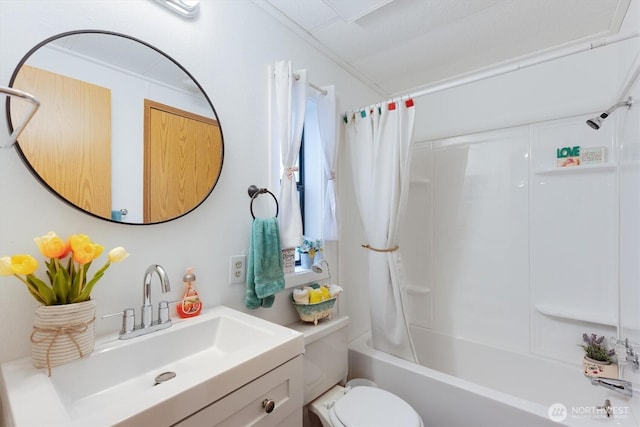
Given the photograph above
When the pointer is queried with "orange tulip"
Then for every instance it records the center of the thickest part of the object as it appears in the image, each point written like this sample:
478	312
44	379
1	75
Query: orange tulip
52	246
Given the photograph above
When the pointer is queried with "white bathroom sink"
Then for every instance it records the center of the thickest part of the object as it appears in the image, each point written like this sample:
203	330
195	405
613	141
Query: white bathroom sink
211	355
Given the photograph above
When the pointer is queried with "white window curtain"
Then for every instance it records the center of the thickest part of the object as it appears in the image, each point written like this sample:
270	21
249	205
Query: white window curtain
290	103
327	126
379	144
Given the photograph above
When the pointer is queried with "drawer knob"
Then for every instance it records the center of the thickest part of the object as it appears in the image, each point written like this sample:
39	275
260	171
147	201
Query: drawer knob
268	405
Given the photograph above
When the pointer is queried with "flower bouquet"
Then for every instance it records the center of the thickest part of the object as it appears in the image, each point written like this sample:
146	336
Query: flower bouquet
64	325
308	250
68	282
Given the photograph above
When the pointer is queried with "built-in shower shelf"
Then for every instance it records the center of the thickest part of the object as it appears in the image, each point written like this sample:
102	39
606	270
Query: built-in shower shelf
576	169
420	181
573	314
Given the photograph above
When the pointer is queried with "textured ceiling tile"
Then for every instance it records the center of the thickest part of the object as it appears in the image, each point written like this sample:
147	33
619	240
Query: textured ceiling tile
352	10
408	44
395	24
309	14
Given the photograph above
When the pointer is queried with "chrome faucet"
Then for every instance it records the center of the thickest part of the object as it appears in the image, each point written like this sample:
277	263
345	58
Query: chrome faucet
147	315
621	386
147	325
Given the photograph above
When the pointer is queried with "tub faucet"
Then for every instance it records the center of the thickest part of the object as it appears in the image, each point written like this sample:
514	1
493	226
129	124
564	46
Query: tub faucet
631	357
621	386
147	314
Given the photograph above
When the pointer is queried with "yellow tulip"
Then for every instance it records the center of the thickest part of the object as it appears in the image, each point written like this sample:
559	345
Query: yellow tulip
51	245
78	240
87	253
97	250
23	264
84	250
117	254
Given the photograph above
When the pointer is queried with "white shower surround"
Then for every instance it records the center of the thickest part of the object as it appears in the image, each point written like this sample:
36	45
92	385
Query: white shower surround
514	251
515	259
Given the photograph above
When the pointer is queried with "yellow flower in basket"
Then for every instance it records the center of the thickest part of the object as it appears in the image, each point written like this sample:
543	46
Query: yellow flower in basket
67	283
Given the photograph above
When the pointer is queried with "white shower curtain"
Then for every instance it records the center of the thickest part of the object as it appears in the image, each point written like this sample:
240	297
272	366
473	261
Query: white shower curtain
379	143
327	126
290	104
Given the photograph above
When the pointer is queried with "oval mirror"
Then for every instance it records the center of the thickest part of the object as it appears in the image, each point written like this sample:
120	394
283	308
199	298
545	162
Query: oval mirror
123	132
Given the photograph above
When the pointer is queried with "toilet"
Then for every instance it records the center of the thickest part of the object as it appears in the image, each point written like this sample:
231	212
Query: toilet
359	403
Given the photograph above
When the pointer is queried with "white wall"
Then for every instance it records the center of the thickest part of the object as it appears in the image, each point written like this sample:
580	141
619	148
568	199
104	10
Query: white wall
629	208
227	49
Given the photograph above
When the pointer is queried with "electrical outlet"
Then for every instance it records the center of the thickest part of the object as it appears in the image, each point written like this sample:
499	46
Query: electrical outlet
238	269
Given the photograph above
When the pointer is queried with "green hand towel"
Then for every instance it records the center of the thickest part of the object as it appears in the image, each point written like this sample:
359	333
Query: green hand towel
265	274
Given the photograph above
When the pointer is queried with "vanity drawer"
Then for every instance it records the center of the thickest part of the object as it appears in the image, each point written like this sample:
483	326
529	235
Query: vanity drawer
243	407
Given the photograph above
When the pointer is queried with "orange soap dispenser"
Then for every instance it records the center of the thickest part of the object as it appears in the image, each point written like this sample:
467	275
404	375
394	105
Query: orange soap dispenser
190	305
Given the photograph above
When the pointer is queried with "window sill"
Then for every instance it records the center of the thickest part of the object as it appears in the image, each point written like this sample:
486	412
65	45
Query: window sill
303	276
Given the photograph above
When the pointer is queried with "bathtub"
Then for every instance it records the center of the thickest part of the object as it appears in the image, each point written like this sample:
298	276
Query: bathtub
461	383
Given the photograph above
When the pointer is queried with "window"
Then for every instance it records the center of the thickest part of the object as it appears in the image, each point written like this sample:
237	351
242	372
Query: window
309	176
300	179
311	164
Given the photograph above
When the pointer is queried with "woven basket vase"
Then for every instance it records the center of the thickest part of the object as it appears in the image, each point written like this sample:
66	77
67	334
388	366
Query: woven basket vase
62	333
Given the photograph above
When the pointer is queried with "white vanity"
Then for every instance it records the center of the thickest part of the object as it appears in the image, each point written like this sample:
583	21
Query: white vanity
230	368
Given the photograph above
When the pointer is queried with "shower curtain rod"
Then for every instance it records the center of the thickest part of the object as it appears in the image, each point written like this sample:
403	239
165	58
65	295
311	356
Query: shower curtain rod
498	71
318	88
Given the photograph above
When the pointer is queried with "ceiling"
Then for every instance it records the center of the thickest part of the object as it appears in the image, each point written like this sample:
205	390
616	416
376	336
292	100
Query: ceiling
400	46
125	54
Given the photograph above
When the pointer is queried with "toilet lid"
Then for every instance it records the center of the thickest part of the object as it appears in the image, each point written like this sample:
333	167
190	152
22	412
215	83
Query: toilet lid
370	407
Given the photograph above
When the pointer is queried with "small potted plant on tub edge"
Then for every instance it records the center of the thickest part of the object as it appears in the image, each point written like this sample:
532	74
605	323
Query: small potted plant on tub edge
597	358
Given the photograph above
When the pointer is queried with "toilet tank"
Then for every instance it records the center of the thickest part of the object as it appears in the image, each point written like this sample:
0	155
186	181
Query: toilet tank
326	357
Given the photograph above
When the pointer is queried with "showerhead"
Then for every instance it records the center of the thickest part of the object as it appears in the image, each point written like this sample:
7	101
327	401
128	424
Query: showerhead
596	122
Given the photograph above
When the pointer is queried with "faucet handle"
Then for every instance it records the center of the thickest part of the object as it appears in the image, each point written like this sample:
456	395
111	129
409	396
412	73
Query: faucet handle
608	409
631	354
128	319
163	312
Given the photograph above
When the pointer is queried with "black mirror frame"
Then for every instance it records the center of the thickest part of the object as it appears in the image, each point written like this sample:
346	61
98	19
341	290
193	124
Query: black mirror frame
109	33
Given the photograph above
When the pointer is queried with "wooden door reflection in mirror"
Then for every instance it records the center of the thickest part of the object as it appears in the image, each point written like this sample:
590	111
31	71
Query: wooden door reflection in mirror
86	108
181	159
